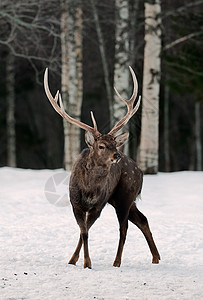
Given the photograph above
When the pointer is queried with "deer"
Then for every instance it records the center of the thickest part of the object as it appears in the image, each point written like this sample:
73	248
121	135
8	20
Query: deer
102	174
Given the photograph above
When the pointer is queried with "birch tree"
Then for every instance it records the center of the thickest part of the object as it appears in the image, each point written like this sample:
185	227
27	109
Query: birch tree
148	153
71	76
121	71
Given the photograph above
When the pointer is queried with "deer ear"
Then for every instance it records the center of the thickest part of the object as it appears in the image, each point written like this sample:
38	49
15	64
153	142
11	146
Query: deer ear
89	139
121	139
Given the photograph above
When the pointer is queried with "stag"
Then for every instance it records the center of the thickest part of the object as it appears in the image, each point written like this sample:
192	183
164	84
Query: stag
103	174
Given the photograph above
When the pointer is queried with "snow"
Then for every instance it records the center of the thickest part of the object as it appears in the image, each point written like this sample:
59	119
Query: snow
38	238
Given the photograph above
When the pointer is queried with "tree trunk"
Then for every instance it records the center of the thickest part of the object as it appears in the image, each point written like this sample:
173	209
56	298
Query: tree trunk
10	118
133	42
166	129
148	156
198	137
71	77
121	71
133	51
104	60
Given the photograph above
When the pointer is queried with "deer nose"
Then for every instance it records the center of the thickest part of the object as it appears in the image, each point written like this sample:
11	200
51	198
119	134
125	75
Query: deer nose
116	156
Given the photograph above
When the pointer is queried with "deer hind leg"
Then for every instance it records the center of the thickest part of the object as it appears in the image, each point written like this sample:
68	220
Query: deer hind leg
80	217
136	217
123	222
81	220
91	218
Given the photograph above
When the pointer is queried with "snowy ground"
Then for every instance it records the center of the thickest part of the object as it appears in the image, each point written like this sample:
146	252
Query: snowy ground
37	239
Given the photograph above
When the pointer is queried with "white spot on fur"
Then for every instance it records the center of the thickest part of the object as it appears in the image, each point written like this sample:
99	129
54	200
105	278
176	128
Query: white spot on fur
139	197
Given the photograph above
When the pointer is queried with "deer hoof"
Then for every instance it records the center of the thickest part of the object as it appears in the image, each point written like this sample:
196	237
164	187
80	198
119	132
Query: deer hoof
116	263
87	264
72	262
155	260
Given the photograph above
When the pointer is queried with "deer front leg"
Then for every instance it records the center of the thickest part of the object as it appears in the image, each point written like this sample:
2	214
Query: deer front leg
87	261
85	222
136	217
92	216
76	254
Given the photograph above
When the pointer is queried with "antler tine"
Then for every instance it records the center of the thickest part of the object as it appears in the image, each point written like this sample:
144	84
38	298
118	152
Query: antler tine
135	90
93	121
61	111
135	85
131	111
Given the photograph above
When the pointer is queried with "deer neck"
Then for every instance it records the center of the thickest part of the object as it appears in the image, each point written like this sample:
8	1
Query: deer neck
96	166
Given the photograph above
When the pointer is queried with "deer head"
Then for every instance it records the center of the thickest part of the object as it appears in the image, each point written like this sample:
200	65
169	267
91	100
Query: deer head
103	149
104	145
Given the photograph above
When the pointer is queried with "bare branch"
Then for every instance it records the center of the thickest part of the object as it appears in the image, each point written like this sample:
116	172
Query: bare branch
181	9
185	68
182	39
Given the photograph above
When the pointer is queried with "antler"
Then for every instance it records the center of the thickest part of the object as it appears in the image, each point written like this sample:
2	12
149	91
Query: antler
131	111
61	111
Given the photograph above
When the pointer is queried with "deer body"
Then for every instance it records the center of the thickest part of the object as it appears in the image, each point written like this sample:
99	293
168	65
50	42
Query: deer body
95	186
102	174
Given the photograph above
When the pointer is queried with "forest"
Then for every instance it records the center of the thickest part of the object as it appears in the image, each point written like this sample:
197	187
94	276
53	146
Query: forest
88	47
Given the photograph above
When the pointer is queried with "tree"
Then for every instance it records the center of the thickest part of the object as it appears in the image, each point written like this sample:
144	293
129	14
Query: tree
104	59
22	29
148	152
183	77
10	117
198	144
121	72
166	129
71	76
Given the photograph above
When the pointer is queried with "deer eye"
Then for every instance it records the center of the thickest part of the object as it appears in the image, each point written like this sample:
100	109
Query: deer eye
101	147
